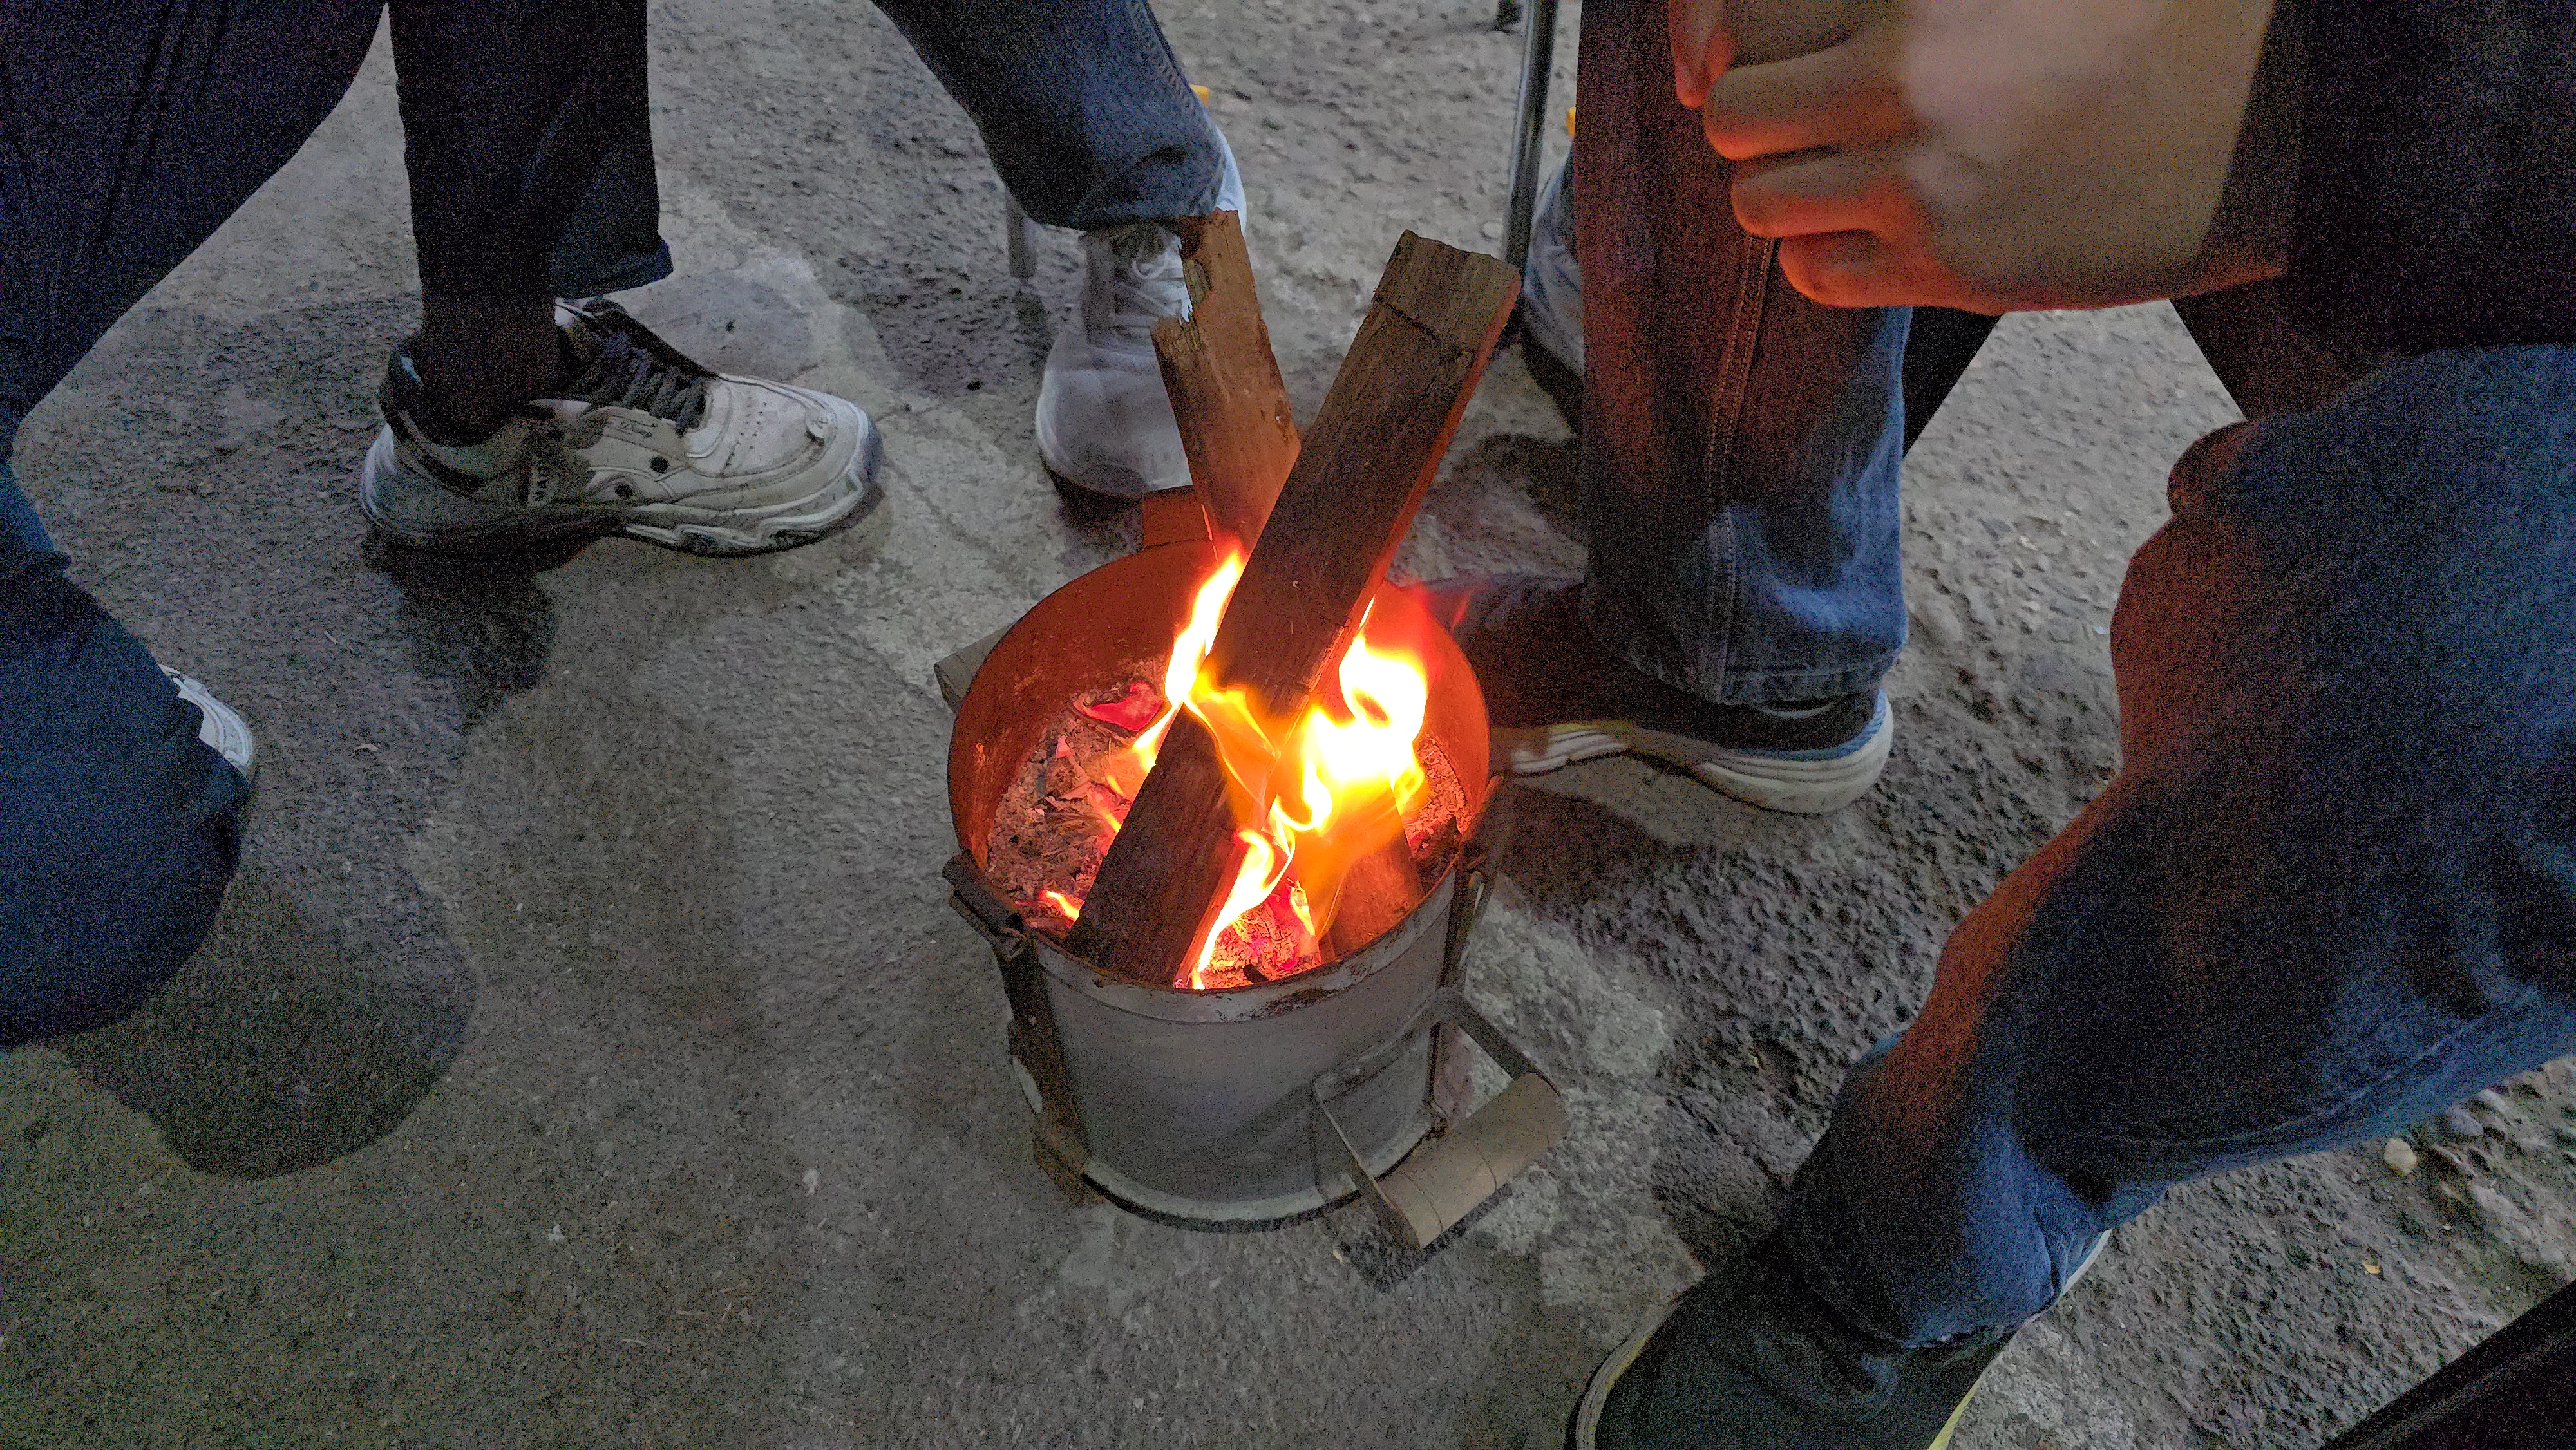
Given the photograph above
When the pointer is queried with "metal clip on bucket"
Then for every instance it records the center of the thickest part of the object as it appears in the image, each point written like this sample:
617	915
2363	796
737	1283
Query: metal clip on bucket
1034	1045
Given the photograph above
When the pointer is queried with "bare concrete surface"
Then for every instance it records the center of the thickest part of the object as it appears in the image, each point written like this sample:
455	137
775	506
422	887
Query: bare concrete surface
587	1056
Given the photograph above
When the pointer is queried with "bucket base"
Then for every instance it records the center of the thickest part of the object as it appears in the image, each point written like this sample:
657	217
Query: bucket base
1233	1215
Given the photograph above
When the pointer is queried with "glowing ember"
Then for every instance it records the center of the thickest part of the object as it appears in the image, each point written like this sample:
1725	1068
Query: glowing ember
1311	797
1135	710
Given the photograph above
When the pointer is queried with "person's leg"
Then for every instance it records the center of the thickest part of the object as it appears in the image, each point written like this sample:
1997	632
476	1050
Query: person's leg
1939	342
20	529
509	112
614	240
509	419
548	95
118	825
1551	310
1092	125
1740	443
2332	889
1740	447
129	130
1081	103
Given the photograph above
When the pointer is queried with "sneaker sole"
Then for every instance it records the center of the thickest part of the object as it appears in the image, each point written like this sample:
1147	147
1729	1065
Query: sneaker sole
707	532
1770	782
1585	1432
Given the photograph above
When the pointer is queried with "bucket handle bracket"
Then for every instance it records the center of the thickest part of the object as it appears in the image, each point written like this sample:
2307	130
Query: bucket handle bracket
1062	1149
1444	1180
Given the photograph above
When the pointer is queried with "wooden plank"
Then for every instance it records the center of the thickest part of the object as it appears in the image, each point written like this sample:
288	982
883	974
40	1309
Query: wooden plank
1224	383
1373	451
1146	925
1173	516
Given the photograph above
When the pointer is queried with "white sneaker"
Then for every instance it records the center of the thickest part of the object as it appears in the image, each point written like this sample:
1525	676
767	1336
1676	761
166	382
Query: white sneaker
641	441
1104	421
1552	281
218	724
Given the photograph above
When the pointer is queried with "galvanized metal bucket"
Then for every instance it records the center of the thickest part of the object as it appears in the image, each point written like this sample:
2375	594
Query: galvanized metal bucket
1260	1103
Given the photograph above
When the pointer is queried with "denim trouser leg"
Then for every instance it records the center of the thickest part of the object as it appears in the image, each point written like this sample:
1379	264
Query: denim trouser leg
614	239
1740	443
1081	103
129	130
2332	889
117	825
20	529
527	128
128	133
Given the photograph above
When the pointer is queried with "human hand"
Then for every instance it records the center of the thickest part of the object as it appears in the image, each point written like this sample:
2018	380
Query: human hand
1710	35
2000	154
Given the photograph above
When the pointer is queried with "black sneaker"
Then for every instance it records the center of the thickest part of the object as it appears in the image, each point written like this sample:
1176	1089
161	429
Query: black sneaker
1751	1359
1555	697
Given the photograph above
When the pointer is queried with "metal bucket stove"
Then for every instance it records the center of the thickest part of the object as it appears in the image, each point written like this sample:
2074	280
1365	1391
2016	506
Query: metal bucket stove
1254	1104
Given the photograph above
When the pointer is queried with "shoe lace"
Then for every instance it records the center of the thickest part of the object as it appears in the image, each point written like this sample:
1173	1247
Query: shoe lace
626	374
1145	283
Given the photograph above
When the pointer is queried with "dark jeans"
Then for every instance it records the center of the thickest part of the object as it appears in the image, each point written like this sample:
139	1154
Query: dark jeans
1740	443
1081	104
2333	886
129	131
2332	889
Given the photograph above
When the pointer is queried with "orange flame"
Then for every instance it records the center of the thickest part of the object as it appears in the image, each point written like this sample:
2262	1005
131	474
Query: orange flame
1312	797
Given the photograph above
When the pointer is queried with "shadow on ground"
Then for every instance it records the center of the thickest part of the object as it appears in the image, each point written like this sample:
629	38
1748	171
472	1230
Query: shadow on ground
480	623
274	1050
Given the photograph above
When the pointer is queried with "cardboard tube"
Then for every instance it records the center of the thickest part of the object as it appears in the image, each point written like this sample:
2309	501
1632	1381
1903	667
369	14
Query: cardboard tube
1444	1182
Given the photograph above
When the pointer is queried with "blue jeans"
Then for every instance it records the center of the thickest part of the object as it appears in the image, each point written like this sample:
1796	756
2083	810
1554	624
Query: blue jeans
1740	443
2332	889
118	827
1081	104
130	129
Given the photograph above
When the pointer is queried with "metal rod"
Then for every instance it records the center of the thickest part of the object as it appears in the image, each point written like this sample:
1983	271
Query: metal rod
1538	66
1021	236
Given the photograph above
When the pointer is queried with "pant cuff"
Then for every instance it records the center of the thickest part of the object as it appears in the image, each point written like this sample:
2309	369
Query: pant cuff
613	274
1631	633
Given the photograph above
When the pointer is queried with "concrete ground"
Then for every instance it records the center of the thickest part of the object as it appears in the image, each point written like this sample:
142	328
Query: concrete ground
588	1057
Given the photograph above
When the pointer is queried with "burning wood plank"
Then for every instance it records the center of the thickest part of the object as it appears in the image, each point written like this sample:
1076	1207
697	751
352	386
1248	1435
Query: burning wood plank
1373	451
1224	383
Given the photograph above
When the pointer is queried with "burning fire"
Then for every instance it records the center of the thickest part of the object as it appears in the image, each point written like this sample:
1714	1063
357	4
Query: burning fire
1312	796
